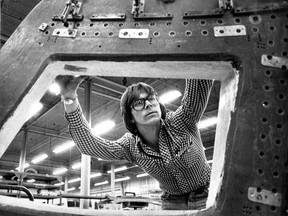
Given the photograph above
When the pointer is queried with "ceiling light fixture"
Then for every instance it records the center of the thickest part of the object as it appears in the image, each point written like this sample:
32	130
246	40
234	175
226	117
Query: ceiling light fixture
122	179
209	161
60	171
76	165
64	147
101	183
118	169
74	180
54	88
59	184
95	175
31	180
142	175
39	158
103	127
207	122
169	96
71	189
35	108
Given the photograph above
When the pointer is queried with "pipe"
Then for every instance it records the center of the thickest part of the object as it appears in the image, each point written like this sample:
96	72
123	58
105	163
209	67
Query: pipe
19	188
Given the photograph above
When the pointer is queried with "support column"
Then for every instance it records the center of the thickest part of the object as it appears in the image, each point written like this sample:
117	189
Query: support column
86	160
112	179
65	184
22	156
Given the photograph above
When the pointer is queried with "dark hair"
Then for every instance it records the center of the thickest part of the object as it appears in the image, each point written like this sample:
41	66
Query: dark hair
128	97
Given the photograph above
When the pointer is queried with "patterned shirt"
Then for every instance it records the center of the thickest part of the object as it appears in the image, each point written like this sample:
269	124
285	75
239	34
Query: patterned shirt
181	166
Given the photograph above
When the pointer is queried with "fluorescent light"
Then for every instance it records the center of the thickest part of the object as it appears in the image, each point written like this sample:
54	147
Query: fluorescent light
54	88
64	147
210	161
71	189
76	165
60	171
25	166
169	96
142	175
95	175
39	158
103	127
122	179
99	159
35	108
118	169
101	183
1	177
58	184
207	122
31	180
74	180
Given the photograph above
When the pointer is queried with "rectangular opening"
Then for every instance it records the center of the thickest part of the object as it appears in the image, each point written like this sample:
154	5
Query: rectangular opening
114	75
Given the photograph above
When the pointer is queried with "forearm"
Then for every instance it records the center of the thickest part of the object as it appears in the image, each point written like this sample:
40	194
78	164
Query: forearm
87	142
69	108
196	97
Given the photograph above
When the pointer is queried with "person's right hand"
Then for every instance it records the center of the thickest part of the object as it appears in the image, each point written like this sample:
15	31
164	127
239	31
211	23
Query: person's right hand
69	84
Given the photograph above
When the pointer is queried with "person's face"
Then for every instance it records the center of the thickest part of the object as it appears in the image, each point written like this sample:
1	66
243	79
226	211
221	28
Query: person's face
146	110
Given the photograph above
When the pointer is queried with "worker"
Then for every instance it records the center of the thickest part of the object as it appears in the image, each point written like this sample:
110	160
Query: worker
165	144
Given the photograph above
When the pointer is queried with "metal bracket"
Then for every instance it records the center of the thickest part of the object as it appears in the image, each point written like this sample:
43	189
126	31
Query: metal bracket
65	32
274	61
203	14
138	12
43	27
70	12
226	4
234	30
20	175
138	6
107	17
261	8
264	196
134	33
152	16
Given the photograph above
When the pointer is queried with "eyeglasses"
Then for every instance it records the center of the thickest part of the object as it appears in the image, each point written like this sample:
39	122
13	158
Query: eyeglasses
139	104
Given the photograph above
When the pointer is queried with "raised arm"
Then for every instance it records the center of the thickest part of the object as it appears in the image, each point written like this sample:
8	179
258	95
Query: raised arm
81	131
194	101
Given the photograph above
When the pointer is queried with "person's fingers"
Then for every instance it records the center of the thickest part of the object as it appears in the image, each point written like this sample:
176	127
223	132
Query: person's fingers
80	79
69	83
63	80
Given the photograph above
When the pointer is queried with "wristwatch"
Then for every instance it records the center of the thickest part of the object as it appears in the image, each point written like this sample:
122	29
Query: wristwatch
68	100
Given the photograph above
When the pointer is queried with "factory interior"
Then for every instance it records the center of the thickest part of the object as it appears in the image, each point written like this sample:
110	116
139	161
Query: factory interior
47	130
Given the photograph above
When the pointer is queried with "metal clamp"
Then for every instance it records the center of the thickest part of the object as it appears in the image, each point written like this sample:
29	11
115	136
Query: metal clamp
234	30
264	196
203	14
274	61
43	27
138	12
66	32
108	17
134	33
70	12
138	6
226	4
